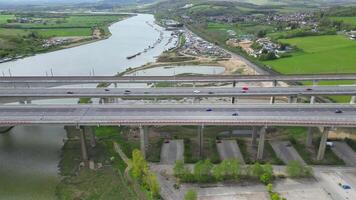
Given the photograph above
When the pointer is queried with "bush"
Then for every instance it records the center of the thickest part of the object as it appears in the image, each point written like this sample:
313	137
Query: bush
191	195
227	169
296	169
202	171
139	165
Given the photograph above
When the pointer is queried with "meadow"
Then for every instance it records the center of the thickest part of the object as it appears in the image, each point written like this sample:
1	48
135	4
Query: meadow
318	54
346	20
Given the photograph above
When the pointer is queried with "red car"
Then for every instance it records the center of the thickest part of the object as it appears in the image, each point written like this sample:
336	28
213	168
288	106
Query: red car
245	88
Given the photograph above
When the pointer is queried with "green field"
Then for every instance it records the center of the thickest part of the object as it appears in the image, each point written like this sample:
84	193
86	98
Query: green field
318	54
65	32
346	20
240	29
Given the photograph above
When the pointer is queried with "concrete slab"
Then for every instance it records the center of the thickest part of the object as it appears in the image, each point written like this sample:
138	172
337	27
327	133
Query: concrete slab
233	193
228	149
285	151
345	152
172	151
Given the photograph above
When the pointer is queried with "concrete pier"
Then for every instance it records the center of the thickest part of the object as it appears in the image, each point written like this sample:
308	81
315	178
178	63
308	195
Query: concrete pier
261	143
273	98
233	99
309	140
201	140
83	144
353	100
312	100
292	99
254	136
89	131
322	146
143	139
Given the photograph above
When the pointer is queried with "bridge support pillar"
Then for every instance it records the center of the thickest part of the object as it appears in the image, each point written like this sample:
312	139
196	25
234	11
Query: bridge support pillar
353	100
312	100
292	99
273	98
201	140
309	141
254	136
261	143
90	132
83	145
322	146
233	99
143	140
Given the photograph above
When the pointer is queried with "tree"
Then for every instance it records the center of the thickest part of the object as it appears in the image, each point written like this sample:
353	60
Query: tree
202	170
256	170
297	169
191	195
178	168
227	169
151	184
139	165
261	33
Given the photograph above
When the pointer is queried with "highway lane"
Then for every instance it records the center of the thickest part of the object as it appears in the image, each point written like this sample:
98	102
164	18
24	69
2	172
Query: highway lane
156	114
29	93
64	80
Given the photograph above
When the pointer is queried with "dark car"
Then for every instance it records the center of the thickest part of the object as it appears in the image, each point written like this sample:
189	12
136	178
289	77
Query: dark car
209	110
338	111
166	141
309	89
107	90
235	114
346	187
211	93
127	92
69	92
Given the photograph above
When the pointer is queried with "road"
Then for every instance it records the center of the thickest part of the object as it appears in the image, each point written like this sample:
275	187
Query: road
172	151
286	152
26	81
345	152
228	149
29	93
193	114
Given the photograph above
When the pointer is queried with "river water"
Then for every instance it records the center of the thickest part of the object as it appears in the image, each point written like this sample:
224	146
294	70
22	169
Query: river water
29	155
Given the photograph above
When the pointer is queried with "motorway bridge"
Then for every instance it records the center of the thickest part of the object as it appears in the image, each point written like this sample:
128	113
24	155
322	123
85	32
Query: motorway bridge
51	81
175	92
305	115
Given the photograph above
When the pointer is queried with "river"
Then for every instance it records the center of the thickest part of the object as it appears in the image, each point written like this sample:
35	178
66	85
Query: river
30	154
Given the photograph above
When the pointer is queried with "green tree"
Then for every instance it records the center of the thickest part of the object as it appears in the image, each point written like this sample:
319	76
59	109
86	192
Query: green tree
191	195
256	170
139	165
202	170
178	168
227	169
297	169
151	184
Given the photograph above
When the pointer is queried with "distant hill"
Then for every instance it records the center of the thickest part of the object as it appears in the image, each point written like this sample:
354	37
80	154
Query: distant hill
73	1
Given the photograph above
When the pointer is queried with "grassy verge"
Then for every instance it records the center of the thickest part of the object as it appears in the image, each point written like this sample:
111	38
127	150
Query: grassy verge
243	148
104	183
155	150
351	143
272	157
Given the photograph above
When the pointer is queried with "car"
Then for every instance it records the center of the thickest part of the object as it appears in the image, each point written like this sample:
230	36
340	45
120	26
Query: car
309	89
338	111
211	93
166	141
69	92
346	187
245	88
209	110
218	141
288	144
235	114
127	92
196	91
329	144
146	92
107	90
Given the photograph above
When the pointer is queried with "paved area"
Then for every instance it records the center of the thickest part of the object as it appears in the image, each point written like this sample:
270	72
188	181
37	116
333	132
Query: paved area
286	152
228	149
255	192
345	152
330	180
172	151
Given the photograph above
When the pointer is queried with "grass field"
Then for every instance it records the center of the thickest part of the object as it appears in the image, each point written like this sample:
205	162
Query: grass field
240	29
318	54
64	32
347	20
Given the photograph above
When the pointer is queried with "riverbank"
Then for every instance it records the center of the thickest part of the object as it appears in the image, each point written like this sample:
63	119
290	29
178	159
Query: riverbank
43	34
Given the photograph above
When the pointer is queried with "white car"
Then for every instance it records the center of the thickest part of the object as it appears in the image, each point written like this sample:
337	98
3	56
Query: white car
196	91
330	144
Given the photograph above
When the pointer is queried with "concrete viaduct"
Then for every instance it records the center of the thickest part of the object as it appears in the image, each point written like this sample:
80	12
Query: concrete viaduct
141	115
